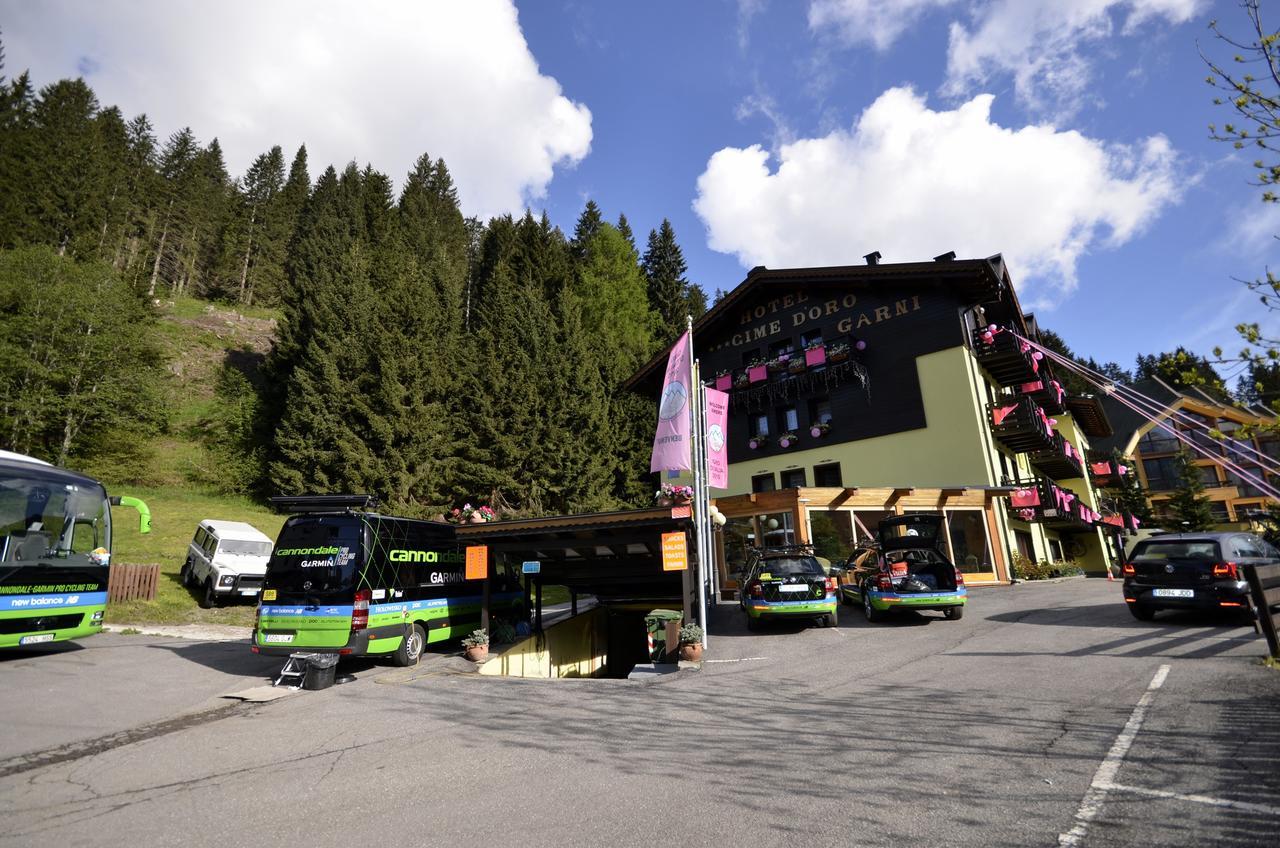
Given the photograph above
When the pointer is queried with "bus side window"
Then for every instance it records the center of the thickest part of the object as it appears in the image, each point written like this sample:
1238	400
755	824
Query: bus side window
84	536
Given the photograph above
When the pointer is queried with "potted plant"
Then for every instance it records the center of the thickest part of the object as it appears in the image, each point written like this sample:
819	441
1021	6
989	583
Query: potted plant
786	440
476	645
672	495
820	429
690	643
779	363
757	371
838	352
742	380
723	381
758	441
468	514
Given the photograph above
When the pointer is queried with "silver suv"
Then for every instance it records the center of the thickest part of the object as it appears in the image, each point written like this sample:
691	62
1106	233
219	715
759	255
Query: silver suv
226	560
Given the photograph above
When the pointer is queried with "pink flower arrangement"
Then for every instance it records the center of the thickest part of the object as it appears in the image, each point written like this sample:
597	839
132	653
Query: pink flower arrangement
468	514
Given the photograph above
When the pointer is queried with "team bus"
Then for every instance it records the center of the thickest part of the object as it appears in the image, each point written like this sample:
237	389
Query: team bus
345	579
55	551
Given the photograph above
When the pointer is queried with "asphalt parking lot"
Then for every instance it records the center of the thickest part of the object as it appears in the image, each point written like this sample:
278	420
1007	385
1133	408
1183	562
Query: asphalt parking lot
1046	716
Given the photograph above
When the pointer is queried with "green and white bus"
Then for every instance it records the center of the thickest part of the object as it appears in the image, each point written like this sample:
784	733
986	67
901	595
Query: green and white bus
345	579
55	551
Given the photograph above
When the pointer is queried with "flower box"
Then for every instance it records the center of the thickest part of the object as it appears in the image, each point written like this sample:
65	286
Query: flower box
819	430
786	440
815	356
724	382
758	442
778	364
797	365
757	374
838	353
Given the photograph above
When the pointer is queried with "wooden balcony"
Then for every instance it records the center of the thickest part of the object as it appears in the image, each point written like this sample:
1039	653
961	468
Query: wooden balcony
1061	461
1019	424
1043	501
1007	359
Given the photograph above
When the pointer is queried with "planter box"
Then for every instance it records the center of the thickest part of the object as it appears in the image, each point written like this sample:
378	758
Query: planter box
724	382
815	357
758	374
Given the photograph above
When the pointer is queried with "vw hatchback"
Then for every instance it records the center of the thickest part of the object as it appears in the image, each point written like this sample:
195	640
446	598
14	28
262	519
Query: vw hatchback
1201	571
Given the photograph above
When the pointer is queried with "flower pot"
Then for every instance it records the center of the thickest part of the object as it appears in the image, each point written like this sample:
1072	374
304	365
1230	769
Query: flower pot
755	444
816	432
723	382
757	374
477	654
838	356
784	443
691	651
815	356
796	366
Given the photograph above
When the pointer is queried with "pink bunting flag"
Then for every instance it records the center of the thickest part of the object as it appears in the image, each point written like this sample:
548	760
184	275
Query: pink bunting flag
671	441
717	416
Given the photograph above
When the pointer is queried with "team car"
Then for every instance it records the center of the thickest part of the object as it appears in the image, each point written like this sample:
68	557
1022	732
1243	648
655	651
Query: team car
787	582
1193	571
906	569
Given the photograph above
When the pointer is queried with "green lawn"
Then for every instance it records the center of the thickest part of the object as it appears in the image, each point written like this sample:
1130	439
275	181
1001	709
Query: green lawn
174	515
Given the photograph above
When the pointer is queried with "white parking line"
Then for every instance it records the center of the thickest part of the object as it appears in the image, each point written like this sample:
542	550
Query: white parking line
743	659
1104	777
1265	809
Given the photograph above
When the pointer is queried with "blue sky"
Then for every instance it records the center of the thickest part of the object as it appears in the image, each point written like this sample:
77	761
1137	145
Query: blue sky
1071	136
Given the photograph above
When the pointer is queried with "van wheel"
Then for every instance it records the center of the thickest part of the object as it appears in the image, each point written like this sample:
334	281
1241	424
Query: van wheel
185	573
410	650
954	613
208	600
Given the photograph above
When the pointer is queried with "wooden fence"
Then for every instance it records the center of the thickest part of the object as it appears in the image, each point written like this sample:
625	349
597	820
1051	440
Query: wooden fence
1264	585
130	582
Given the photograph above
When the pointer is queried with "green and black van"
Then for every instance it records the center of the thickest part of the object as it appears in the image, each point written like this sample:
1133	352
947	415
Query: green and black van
345	579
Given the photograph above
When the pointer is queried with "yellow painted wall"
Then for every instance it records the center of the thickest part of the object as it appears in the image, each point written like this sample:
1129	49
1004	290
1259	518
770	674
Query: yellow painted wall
575	647
947	452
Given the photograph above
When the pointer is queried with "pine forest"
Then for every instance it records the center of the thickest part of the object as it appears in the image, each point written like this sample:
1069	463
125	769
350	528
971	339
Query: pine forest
415	353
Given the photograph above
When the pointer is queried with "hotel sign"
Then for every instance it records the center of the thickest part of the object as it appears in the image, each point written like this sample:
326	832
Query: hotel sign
793	311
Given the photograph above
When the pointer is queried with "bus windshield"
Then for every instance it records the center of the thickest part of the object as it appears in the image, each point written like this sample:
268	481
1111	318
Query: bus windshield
317	558
47	520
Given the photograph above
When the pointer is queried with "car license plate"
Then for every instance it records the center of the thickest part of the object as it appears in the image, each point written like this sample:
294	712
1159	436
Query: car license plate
248	593
1173	593
34	640
277	637
793	587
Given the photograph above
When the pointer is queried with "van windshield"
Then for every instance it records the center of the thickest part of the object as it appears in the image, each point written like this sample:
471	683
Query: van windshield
244	547
317	558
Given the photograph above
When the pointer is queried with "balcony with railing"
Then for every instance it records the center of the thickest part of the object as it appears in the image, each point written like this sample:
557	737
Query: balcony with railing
1045	391
1061	461
1045	502
1019	424
1108	473
1009	360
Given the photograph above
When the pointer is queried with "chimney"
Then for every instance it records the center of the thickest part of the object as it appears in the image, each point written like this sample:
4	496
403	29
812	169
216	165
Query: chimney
873	258
945	257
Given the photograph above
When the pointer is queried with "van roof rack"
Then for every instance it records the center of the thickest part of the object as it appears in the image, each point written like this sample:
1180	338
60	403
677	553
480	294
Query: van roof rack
324	503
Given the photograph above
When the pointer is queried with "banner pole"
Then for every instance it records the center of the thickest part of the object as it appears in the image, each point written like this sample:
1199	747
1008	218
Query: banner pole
701	506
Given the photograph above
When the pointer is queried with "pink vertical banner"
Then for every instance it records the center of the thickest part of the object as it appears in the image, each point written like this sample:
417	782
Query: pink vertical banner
717	436
671	441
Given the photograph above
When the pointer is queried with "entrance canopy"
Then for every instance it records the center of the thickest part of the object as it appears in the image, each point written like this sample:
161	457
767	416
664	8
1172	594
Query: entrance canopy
616	556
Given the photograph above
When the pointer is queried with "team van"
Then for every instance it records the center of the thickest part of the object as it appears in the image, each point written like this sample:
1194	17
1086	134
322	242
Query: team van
344	579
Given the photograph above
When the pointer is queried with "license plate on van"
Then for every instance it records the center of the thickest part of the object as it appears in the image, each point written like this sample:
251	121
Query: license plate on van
1173	593
793	587
35	640
277	637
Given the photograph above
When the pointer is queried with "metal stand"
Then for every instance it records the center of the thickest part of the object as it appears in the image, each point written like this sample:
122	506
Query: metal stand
295	669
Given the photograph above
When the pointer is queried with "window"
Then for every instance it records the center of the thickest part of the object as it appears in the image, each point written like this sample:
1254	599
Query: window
750	356
763	483
827	475
1245	487
1218	509
1157	440
793	479
760	425
832	533
776	529
200	534
1162	474
788	420
1055	550
820	411
1209	475
1271	447
1247	546
811	337
967	530
1022	539
778	348
867	521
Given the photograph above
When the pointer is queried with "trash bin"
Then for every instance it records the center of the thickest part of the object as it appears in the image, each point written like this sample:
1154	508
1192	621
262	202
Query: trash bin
320	671
660	623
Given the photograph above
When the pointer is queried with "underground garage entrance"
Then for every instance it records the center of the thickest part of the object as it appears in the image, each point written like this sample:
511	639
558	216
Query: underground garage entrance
614	557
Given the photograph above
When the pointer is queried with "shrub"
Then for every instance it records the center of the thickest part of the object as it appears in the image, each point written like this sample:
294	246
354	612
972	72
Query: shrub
477	639
1025	569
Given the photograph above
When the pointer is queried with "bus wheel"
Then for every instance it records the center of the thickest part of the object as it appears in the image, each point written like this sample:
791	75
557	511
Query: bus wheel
410	650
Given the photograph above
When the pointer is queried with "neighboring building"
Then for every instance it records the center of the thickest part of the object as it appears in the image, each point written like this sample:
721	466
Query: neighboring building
1151	449
864	391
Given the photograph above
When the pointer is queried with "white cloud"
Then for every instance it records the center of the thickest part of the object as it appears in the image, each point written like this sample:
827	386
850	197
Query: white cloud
913	183
874	22
378	82
1041	44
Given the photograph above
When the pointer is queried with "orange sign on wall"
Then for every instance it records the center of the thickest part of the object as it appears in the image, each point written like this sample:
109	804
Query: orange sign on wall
675	552
477	562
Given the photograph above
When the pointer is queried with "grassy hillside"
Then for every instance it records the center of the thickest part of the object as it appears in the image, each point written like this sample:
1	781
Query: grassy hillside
179	477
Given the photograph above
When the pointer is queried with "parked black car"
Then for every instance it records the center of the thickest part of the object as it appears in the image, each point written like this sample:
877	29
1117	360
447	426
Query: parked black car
1202	571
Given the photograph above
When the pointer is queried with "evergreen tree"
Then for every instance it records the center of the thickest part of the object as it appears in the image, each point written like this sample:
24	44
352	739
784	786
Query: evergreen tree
1260	383
1188	506
1182	369
253	240
1073	382
611	289
624	227
1131	498
588	225
17	119
670	294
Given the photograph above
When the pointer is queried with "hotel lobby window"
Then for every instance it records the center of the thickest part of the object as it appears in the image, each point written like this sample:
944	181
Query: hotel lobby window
832	533
827	475
1157	440
867	521
793	479
967	530
763	483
